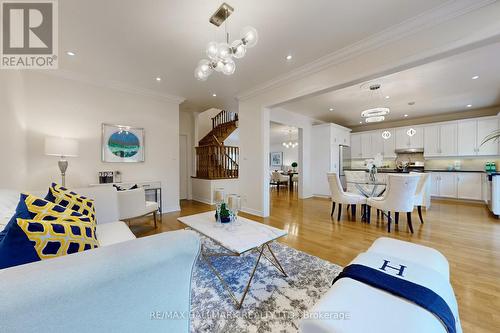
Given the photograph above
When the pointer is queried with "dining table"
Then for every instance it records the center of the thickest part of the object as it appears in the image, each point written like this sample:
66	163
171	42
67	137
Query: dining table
290	182
369	189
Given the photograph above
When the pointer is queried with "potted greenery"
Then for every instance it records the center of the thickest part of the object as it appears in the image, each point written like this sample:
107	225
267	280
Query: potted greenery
294	166
225	215
495	135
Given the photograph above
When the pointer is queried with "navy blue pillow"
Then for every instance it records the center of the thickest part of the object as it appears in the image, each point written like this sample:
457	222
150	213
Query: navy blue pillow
15	247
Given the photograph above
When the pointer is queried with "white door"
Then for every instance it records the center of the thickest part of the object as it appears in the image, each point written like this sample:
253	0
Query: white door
356	146
377	143
469	185
447	184
484	128
390	144
402	139
466	137
366	144
448	139
183	164
431	141
435	184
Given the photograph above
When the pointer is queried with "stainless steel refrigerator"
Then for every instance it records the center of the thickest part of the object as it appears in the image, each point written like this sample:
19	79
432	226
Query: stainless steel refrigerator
344	163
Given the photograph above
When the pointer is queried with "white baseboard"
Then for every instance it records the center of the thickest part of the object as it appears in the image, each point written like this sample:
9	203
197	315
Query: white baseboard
202	200
252	211
171	209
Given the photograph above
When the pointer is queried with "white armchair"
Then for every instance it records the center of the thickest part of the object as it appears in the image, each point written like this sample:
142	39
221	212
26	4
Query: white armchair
398	198
341	197
279	179
133	204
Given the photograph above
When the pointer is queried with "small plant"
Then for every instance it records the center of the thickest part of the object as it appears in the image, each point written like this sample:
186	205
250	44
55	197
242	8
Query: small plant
294	165
493	136
224	212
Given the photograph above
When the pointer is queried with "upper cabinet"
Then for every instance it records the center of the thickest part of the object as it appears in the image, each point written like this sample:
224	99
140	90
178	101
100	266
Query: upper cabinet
409	137
440	140
356	146
471	133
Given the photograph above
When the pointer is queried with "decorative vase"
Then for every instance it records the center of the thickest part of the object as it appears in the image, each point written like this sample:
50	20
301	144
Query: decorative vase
225	219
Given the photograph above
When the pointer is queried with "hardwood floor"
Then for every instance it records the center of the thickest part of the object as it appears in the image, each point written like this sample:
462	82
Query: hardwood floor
465	233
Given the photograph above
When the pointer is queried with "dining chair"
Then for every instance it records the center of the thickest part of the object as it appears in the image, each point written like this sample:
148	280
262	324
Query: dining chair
279	179
351	177
295	180
422	195
338	196
399	197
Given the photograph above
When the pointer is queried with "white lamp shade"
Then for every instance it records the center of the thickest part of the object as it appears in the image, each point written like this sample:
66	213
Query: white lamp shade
55	146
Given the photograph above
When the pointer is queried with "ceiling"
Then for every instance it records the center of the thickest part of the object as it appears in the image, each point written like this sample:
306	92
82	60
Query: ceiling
280	133
133	42
439	87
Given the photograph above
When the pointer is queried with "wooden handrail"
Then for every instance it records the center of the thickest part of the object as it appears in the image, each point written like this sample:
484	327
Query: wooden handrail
224	117
217	162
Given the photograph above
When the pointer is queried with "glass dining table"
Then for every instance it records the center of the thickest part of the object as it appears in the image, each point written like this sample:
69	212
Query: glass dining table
368	188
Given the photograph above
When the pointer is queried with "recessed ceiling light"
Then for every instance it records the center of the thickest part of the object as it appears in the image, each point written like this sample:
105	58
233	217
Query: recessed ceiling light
360	122
387	97
214	95
158	78
71	53
469	105
405	115
475	77
289	57
331	109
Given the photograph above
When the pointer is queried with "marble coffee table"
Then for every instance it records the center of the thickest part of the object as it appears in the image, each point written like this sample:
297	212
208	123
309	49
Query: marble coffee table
236	240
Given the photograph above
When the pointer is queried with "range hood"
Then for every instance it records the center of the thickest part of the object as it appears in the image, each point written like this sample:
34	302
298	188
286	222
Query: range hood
409	151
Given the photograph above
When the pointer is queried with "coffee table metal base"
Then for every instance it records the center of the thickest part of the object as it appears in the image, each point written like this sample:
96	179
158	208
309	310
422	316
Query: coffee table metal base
260	251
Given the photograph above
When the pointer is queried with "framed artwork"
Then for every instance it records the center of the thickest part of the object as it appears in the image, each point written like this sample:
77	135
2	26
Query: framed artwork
122	144
276	159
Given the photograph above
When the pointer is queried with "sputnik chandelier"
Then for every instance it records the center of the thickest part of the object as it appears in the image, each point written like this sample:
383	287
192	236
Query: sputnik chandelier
220	54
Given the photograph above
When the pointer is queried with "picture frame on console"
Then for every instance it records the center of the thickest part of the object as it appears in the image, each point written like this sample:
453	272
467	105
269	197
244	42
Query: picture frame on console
276	159
122	144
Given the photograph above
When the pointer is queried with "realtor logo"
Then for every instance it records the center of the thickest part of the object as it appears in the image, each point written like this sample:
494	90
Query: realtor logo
29	34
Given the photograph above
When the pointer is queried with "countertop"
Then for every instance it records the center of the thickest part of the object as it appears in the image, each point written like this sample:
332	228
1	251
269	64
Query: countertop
383	170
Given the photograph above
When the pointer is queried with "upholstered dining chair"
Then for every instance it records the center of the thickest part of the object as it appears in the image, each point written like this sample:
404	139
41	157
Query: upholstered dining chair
399	197
422	195
279	179
340	197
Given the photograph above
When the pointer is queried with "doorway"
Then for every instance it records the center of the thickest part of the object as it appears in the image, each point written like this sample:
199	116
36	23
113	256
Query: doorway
183	165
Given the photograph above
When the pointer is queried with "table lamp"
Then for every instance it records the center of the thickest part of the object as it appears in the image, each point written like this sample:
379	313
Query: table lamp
62	147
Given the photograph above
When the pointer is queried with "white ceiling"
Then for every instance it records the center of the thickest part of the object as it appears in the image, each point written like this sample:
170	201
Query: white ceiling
280	133
436	88
132	42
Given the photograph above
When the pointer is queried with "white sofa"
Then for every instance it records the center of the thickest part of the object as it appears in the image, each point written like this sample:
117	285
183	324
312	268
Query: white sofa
125	285
355	307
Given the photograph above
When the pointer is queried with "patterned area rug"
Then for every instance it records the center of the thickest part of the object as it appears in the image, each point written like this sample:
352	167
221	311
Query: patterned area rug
273	304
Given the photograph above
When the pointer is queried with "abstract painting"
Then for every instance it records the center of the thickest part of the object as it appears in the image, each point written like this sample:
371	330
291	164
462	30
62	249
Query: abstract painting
122	143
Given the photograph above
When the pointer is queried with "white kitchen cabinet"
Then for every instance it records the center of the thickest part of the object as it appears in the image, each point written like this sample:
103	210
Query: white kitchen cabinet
440	140
447	185
366	145
469	185
457	185
484	128
431	141
471	134
466	139
377	143
389	144
326	139
356	146
405	141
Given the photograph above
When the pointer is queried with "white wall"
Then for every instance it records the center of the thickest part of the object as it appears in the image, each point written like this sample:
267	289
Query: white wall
204	123
60	107
12	124
290	155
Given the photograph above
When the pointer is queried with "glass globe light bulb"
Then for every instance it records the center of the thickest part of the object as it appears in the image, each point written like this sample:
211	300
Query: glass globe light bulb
229	67
200	75
212	50
223	51
204	66
284	144
219	66
238	49
249	36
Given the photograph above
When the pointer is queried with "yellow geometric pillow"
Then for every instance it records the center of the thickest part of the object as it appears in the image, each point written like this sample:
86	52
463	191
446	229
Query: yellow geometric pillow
52	239
71	200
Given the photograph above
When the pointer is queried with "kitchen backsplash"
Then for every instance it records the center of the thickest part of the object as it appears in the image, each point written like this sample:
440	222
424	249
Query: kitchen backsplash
438	164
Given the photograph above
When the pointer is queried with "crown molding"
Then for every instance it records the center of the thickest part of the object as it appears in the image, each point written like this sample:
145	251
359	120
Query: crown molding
433	17
115	85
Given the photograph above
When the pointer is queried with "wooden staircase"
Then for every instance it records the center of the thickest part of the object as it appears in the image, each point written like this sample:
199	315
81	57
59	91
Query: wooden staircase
214	160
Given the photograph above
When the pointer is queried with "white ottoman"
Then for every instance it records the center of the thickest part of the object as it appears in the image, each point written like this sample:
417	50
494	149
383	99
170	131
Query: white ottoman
354	307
